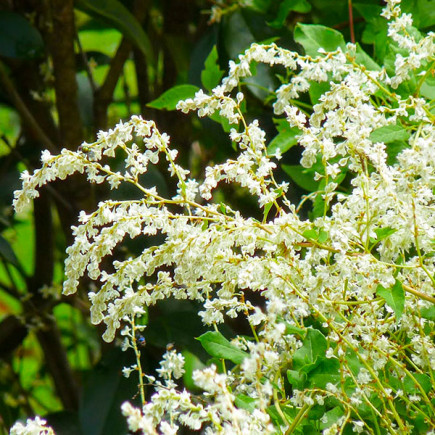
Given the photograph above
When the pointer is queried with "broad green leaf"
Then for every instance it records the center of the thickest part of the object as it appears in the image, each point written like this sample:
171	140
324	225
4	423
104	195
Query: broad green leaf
284	141
236	34
427	89
315	36
317	89
281	124
389	133
381	46
318	207
290	330
429	313
332	416
226	126
313	347
169	99
261	5
296	379
369	11
375	24
423	380
261	82
212	74
104	390
383	233
245	402
353	360
394	297
394	149
191	363
287	6
266	211
315	234
365	410
120	17
218	346
362	58
301	6
423	12
18	38
328	370
303	177
311	234
323	236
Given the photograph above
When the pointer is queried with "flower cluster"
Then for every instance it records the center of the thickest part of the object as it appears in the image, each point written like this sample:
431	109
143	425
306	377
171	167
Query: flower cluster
36	426
345	328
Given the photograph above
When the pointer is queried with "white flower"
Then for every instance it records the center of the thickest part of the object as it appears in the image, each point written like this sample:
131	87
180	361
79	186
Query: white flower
36	426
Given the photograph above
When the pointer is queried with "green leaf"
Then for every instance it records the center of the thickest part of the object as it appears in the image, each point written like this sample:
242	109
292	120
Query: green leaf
114	12
328	370
314	234
261	5
284	141
169	99
237	35
375	24
212	74
104	390
18	38
226	126
315	36
382	233
429	313
287	6
317	89
296	379
362	58
294	330
389	133
332	416
427	89
412	388
303	177
394	297
423	12
323	236
313	347
191	363
394	149
218	346
245	402
311	234
266	211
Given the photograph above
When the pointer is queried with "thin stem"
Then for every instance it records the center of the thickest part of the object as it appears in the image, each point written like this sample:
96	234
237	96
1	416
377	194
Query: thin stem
138	363
352	31
24	112
300	415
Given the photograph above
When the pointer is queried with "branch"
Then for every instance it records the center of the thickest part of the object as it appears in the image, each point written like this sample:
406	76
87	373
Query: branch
58	365
24	112
104	95
60	36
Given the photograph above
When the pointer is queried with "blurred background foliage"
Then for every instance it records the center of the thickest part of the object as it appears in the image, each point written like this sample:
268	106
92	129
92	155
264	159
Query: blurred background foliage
71	68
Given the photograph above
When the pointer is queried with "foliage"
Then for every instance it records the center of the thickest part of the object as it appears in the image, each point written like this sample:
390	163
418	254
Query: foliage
315	319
